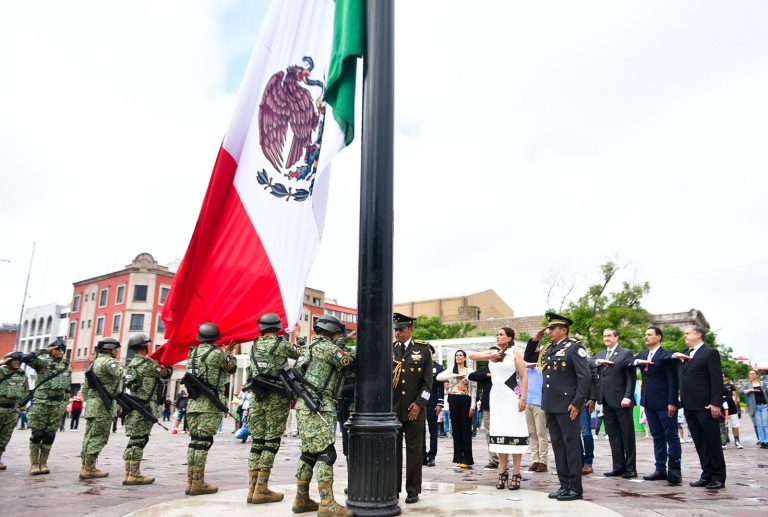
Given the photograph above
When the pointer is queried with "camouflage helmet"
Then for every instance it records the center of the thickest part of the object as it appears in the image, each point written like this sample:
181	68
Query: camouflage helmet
208	333
270	321
330	324
58	343
139	340
108	343
14	356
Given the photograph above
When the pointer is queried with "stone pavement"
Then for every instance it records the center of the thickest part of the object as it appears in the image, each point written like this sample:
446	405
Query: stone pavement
62	493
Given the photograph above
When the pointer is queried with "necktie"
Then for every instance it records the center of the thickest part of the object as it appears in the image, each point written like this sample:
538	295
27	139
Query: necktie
650	357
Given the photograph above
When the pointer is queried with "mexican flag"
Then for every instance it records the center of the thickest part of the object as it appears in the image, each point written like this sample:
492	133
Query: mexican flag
262	218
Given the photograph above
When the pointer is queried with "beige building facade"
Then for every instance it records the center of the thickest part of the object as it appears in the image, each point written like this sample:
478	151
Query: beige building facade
472	307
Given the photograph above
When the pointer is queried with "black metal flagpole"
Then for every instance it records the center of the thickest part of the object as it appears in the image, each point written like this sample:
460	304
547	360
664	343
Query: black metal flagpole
373	426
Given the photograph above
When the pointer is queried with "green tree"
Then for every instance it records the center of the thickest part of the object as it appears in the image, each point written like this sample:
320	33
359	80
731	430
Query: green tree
428	328
599	309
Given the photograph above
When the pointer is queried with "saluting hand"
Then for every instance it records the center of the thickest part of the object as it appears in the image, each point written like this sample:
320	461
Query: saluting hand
539	335
413	411
682	357
644	362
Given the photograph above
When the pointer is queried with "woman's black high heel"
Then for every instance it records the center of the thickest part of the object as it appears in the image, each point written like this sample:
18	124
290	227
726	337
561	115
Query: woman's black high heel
515	483
503	478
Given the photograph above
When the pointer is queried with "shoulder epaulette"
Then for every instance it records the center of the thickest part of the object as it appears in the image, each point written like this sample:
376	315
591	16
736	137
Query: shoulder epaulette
420	342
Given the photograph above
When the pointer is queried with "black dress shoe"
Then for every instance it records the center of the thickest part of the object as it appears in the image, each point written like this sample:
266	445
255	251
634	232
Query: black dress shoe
656	476
430	462
569	495
555	495
699	483
629	474
715	485
411	498
613	473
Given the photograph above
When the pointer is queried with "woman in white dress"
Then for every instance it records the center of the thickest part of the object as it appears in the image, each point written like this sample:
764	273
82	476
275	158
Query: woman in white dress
509	430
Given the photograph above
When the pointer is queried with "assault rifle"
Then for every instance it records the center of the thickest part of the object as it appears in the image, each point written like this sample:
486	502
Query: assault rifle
95	383
129	403
262	387
196	387
295	382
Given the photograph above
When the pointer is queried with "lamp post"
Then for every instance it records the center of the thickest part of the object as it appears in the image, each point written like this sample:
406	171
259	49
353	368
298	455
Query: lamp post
24	300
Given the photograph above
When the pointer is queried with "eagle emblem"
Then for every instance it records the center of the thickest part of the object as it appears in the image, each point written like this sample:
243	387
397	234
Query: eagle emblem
289	109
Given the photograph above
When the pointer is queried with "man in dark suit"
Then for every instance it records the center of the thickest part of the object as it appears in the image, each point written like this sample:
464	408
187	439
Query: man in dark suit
411	389
701	392
434	407
566	387
616	392
658	396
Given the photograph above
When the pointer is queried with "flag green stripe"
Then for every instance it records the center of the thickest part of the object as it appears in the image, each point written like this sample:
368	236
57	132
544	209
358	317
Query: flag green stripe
348	45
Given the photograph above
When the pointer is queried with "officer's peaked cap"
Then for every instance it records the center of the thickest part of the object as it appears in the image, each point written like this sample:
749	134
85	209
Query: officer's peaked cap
556	319
401	320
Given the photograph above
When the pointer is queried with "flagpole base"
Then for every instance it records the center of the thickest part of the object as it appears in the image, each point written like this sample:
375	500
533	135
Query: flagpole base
372	464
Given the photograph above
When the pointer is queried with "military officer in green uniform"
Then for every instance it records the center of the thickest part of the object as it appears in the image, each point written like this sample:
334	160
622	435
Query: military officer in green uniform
411	389
13	388
269	409
567	381
98	413
212	366
144	378
323	361
52	390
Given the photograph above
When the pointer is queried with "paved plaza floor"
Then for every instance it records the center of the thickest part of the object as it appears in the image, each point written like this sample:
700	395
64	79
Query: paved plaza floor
446	490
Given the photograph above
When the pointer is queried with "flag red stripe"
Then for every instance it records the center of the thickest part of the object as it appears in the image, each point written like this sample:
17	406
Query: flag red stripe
226	276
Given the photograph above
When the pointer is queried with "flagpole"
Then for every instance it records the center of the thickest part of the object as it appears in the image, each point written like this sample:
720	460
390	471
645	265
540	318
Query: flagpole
373	426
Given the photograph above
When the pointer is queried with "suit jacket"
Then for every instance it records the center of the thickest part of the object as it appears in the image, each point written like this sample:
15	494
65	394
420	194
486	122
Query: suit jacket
660	381
566	376
413	372
484	382
701	380
616	381
438	388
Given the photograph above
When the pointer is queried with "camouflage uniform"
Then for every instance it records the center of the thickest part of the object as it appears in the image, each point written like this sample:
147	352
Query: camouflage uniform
324	361
13	388
212	366
98	418
143	377
50	403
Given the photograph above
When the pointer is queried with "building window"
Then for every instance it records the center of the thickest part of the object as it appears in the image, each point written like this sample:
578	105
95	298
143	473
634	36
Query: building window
103	297
100	326
82	324
76	303
140	293
137	322
120	295
316	302
160	324
89	323
72	329
164	294
116	322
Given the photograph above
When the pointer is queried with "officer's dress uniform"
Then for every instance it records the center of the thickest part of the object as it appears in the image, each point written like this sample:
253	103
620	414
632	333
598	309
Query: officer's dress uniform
98	418
567	381
324	361
13	387
411	382
267	417
212	366
144	379
54	379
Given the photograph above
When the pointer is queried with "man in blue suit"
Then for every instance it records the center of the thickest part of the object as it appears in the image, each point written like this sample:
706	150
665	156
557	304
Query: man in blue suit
658	396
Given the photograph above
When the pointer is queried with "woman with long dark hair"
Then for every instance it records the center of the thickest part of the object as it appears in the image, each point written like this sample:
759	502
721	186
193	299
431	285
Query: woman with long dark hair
461	399
509	430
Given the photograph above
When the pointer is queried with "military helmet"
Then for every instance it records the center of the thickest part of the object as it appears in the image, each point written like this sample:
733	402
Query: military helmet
208	333
139	340
108	343
270	321
58	343
330	324
14	356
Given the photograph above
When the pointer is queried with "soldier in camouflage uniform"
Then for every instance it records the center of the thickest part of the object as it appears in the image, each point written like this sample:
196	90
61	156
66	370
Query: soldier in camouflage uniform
52	390
323	362
144	379
13	388
212	366
267	416
98	417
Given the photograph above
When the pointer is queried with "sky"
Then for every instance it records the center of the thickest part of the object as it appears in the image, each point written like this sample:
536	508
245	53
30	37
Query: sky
534	141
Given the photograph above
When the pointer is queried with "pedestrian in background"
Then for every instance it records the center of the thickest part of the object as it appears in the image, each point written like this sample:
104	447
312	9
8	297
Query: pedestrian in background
538	435
77	408
757	406
462	396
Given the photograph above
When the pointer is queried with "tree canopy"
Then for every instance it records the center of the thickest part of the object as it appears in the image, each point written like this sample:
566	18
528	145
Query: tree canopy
426	328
